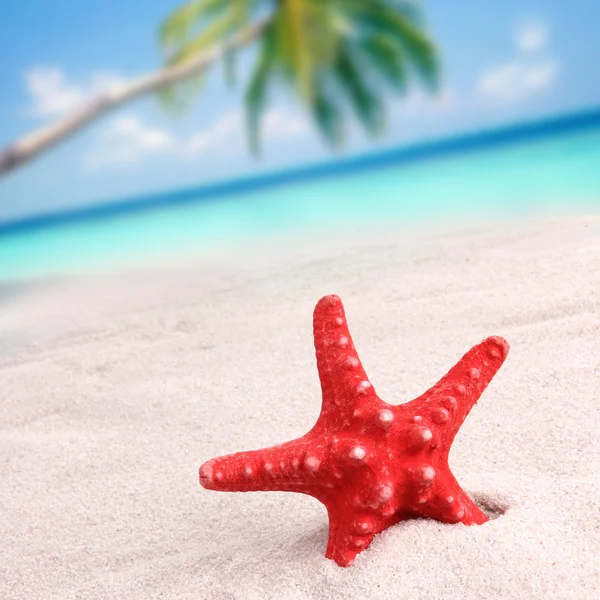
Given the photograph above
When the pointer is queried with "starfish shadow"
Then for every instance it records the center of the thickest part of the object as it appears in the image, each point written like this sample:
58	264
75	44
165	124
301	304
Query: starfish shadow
493	507
316	538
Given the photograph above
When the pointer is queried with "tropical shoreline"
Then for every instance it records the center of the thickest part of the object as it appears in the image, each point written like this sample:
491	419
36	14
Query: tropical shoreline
404	155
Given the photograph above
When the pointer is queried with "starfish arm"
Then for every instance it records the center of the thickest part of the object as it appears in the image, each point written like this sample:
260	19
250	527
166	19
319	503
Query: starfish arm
292	467
446	405
450	504
343	378
358	511
349	534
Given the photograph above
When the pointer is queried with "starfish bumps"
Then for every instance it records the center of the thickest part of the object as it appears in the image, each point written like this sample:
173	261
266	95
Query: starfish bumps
371	464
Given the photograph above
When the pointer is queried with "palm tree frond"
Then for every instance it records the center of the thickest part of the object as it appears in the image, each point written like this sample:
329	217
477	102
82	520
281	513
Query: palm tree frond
420	48
385	57
229	65
380	17
328	117
294	43
305	41
178	97
367	106
256	91
178	26
216	32
410	9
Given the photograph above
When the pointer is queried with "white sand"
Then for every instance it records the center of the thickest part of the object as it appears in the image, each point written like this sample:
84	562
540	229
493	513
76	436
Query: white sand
114	390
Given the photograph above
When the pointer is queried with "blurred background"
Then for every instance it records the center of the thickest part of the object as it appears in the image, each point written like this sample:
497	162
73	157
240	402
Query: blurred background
131	132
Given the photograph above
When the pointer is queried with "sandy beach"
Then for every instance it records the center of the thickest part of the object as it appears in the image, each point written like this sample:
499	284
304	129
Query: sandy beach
115	388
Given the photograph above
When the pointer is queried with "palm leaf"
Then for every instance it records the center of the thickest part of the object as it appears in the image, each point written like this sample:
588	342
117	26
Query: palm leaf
256	91
177	98
216	32
365	102
293	41
181	22
374	17
229	65
306	41
419	47
328	116
410	9
385	56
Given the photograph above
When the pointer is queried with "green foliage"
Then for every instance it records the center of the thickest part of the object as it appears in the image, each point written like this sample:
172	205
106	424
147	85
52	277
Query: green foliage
230	68
377	17
304	42
328	115
363	98
338	55
178	97
179	26
386	60
256	92
184	40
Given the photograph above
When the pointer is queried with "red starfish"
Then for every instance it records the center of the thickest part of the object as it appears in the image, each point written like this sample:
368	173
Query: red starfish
370	463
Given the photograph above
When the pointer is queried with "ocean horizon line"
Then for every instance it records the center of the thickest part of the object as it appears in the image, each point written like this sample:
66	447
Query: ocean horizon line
401	155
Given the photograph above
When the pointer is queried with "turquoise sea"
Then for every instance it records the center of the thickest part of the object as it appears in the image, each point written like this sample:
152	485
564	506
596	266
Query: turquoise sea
528	169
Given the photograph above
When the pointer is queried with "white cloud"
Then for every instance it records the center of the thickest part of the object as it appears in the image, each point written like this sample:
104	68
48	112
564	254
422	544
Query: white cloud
127	140
518	79
227	130
532	38
279	125
228	134
524	75
53	95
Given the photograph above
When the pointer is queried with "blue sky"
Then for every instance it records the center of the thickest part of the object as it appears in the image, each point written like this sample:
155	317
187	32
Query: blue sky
504	62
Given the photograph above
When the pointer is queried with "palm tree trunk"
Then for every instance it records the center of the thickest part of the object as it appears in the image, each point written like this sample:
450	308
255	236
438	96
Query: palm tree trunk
32	145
